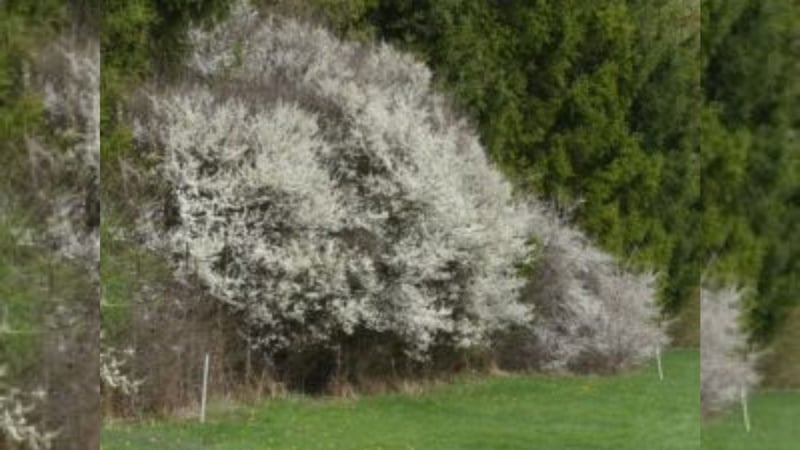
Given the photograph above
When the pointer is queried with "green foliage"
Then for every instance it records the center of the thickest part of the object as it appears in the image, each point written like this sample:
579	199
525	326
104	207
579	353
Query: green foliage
348	18
148	37
750	153
127	271
21	302
33	284
140	40
684	328
24	26
27	273
781	366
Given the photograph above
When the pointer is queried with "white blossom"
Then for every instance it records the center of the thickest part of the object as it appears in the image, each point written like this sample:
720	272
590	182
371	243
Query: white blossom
323	187
16	411
67	74
726	365
113	372
592	313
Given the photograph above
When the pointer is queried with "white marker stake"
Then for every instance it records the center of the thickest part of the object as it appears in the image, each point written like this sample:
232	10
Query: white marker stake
660	369
205	391
745	413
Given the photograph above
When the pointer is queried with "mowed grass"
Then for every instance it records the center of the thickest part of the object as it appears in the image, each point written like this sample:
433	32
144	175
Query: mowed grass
775	420
630	411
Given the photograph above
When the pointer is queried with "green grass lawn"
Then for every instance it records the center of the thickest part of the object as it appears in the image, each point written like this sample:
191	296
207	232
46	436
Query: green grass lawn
631	411
775	419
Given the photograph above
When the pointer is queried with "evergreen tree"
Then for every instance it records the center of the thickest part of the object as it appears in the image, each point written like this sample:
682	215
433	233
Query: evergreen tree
750	158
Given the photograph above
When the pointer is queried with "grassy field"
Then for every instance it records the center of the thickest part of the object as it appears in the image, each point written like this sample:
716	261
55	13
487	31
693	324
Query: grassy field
632	411
775	418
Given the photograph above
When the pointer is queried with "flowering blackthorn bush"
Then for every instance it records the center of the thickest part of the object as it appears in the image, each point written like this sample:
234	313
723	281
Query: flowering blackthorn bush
592	313
322	187
726	365
65	164
16	409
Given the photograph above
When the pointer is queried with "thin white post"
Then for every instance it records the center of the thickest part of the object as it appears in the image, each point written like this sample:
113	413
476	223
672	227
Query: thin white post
660	368
205	391
248	365
745	413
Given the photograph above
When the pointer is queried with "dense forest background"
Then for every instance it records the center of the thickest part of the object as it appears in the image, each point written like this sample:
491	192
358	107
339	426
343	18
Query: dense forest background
593	106
569	100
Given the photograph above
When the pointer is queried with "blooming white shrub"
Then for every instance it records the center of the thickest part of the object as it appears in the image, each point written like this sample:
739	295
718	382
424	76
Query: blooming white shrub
58	204
113	374
591	313
16	409
726	366
65	172
323	187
